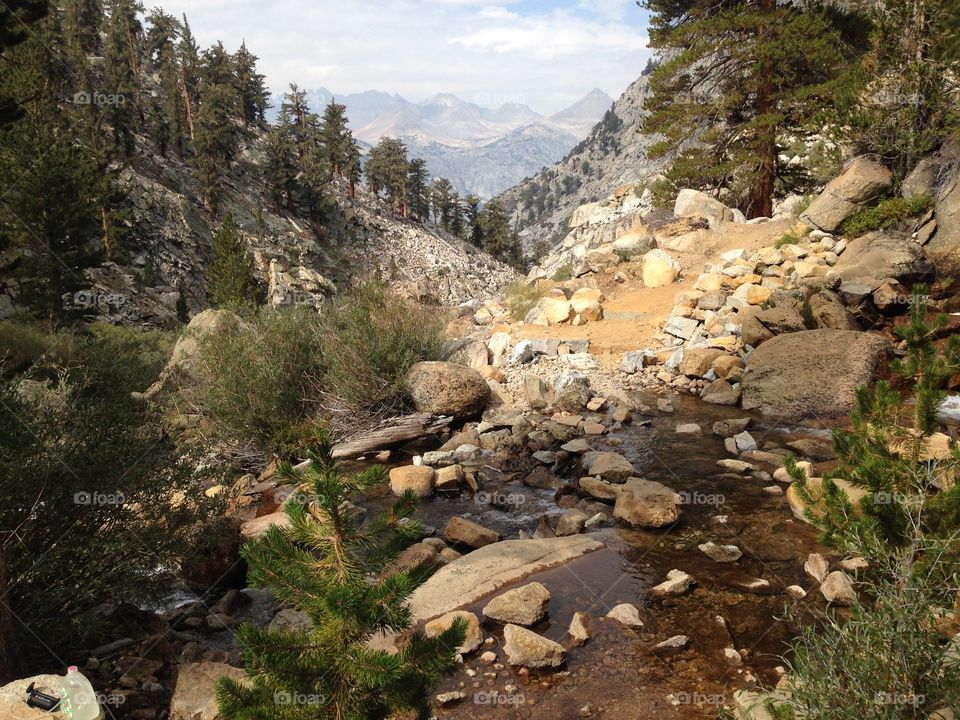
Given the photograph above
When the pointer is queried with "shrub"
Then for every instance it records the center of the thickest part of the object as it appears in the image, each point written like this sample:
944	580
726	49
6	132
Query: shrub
96	505
522	297
371	337
265	376
885	214
791	238
564	272
21	344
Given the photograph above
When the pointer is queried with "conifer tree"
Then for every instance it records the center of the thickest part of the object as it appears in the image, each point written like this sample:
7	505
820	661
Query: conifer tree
217	134
742	74
167	118
353	169
387	169
122	73
456	220
231	280
419	199
889	451
336	137
472	217
280	168
300	121
251	87
188	73
499	239
338	572
441	197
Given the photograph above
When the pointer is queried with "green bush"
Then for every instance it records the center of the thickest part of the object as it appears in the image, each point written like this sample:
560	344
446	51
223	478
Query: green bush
265	377
96	505
21	344
564	272
887	213
791	238
276	379
371	337
522	297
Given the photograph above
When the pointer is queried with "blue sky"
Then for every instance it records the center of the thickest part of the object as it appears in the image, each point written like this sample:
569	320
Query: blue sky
544	54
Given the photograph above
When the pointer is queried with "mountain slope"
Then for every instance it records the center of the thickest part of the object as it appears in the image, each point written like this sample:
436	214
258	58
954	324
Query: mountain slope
614	154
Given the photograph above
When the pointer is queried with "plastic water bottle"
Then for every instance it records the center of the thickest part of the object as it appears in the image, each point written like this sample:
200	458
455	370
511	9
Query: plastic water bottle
78	701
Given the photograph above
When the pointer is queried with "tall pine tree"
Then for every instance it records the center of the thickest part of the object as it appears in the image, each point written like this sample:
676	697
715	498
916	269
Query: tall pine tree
231	280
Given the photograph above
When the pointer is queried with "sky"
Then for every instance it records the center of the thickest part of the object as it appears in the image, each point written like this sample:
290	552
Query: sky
544	54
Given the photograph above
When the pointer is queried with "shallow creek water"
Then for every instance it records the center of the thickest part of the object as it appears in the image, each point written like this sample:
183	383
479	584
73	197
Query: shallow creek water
616	675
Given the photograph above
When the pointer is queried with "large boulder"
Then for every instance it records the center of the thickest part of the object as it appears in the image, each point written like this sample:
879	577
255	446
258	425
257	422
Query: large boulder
185	367
659	269
555	310
829	312
693	203
609	466
473	637
418	478
872	258
194	697
812	373
466	532
947	238
647	504
12	697
443	388
862	181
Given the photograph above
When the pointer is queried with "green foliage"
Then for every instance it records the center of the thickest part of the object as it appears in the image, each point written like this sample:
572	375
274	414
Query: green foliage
387	169
745	74
275	379
888	659
563	273
888	450
522	297
496	235
791	238
264	376
885	214
231	281
371	337
338	572
77	455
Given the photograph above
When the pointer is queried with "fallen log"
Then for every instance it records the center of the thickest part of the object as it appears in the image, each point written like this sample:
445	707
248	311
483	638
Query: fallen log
389	433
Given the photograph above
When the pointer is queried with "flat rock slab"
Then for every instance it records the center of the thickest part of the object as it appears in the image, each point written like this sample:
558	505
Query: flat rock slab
490	568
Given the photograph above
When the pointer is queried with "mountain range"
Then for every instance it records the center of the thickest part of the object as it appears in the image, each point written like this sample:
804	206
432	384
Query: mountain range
482	151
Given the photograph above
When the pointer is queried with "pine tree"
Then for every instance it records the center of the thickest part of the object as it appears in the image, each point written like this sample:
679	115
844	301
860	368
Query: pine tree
16	17
280	168
122	73
251	88
456	219
217	134
441	198
188	73
338	572
300	121
353	169
742	74
472	213
499	239
419	194
231	280
336	137
889	453
387	169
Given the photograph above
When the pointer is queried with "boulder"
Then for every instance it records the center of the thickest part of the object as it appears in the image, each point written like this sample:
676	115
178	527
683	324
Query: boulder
947	238
697	362
466	532
659	269
598	489
527	649
721	392
526	605
647	504
471	353
474	636
693	203
185	367
876	256
442	388
829	312
418	478
677	583
555	311
448	478
194	696
862	181
12	697
539	394
571	522
572	391
609	466
812	373
780	320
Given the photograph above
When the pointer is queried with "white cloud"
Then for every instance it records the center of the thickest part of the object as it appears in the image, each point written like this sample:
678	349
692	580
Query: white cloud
547	54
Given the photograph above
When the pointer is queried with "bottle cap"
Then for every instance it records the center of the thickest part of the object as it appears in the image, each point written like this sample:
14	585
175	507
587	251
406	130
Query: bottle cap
72	668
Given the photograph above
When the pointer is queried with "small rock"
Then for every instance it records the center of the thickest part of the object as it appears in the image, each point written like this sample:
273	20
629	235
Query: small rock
676	584
448	698
671	646
626	614
526	605
721	553
816	566
796	592
526	648
732	657
474	636
579	630
838	589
